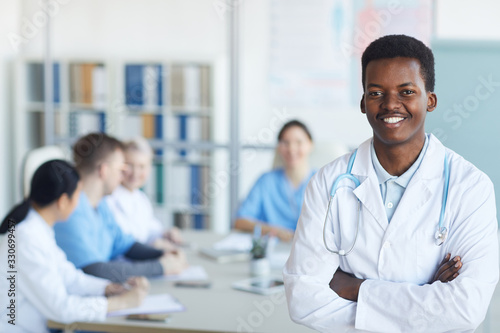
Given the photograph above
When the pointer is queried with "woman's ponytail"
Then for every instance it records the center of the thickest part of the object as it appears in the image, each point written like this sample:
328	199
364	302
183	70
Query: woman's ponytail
51	180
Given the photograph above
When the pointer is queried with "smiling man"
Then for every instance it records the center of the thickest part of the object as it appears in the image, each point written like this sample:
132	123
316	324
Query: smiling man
421	253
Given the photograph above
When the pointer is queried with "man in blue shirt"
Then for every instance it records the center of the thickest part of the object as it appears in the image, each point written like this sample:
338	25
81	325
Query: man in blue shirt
91	238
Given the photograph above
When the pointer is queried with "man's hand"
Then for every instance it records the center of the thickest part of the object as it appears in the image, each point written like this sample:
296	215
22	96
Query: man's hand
164	244
346	285
448	269
173	235
113	289
173	262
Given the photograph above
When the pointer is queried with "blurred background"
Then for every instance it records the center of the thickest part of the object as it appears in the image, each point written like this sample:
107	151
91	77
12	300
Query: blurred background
210	82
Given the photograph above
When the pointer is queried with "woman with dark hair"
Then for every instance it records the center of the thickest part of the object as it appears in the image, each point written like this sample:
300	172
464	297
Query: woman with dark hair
275	200
46	285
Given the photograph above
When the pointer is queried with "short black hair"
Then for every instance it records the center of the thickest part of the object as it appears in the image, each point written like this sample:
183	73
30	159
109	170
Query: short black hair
392	46
294	123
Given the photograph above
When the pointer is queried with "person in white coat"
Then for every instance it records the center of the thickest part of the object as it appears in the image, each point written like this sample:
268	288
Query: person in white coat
37	281
401	275
132	208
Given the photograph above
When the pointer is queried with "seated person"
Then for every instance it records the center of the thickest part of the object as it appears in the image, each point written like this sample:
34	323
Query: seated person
276	199
47	285
131	207
91	237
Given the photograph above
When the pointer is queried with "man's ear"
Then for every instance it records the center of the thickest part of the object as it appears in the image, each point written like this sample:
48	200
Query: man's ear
362	104
431	101
103	170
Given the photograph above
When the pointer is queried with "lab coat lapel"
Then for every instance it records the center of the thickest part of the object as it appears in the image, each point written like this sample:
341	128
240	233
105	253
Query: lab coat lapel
368	192
416	195
422	186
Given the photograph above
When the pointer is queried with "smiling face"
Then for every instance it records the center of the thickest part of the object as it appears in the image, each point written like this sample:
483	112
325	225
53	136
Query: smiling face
294	147
138	169
395	101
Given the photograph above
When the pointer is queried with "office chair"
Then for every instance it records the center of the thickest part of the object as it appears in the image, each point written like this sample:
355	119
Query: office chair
34	159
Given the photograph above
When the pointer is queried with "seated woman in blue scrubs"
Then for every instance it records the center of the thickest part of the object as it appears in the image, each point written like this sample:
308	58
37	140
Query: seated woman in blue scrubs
275	200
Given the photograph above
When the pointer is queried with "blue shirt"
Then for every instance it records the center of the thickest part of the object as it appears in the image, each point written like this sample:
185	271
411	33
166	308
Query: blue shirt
274	200
91	234
392	188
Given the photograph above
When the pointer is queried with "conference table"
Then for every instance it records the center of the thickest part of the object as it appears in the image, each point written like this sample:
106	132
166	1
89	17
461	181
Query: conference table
219	308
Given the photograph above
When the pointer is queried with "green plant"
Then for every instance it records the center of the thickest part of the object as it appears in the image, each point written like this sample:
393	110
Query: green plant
259	246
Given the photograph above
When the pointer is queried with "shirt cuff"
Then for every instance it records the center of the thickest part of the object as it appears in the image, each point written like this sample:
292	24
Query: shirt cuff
97	286
362	311
100	305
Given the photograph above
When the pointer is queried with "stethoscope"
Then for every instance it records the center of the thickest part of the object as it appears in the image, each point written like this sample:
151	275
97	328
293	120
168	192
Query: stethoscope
441	232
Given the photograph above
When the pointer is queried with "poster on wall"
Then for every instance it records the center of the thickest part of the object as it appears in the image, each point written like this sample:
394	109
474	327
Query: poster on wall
316	46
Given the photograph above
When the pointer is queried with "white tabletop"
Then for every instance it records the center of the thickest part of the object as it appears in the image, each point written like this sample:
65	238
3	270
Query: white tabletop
219	308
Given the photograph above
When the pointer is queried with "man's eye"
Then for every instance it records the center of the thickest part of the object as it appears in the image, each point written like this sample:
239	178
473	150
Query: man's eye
375	93
408	92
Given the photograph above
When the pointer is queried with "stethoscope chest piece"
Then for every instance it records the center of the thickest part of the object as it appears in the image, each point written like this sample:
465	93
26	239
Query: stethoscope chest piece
440	236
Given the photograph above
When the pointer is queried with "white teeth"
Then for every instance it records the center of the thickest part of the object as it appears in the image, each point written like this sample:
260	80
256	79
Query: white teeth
393	120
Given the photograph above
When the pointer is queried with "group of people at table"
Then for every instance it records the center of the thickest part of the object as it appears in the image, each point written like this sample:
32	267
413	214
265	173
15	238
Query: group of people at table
87	239
387	266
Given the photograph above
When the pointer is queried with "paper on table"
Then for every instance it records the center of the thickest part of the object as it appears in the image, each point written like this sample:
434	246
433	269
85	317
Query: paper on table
192	273
236	241
161	303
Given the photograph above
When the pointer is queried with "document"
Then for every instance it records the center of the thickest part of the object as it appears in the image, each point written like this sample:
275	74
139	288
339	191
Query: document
192	273
161	303
235	241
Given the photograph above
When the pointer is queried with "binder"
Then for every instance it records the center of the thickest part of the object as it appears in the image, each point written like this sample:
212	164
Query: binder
36	81
134	94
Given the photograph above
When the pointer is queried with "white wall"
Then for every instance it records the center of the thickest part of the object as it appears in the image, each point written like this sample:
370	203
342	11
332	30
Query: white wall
466	19
456	19
128	30
9	23
177	29
257	115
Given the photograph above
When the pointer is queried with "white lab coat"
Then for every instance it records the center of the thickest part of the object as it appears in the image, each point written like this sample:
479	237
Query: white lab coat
397	259
48	286
134	213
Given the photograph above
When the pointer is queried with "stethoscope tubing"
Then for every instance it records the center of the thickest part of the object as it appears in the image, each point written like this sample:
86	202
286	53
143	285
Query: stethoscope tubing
441	232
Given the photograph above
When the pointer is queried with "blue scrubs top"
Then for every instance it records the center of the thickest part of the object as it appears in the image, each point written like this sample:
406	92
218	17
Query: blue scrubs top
274	200
91	234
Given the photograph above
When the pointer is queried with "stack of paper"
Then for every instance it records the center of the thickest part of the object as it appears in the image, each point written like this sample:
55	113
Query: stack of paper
161	303
192	273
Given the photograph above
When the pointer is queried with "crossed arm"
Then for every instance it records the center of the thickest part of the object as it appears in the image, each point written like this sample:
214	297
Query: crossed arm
347	286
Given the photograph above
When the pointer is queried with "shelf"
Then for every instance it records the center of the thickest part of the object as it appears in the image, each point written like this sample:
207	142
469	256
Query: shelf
205	112
137	110
85	107
39	107
174	112
190	209
201	145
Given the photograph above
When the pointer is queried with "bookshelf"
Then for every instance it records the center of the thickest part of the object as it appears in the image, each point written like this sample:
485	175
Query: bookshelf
170	103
